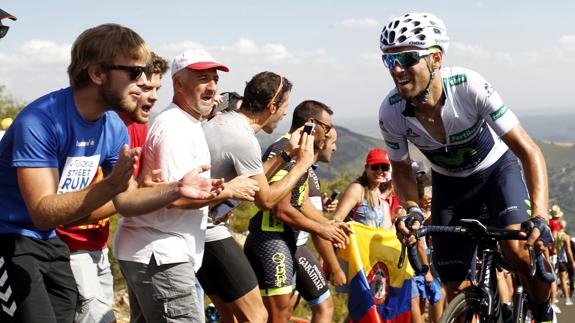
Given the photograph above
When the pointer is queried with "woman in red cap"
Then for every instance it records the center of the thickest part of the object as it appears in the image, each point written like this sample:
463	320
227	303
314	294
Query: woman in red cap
370	199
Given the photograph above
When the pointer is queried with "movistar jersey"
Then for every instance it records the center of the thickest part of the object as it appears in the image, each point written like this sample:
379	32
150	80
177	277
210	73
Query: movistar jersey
474	118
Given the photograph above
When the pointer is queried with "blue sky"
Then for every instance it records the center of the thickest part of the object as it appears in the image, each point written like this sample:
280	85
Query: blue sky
328	49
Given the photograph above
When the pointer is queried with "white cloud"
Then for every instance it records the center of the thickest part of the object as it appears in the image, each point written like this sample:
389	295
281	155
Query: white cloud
37	52
171	50
365	23
371	60
567	42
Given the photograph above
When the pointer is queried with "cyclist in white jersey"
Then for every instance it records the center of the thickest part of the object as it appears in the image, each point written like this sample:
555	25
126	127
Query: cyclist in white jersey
473	141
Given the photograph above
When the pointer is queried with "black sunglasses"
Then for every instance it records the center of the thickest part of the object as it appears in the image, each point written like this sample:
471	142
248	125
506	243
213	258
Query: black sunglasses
376	167
3	30
325	126
135	72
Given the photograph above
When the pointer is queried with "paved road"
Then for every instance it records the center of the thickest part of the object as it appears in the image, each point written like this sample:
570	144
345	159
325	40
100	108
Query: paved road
567	313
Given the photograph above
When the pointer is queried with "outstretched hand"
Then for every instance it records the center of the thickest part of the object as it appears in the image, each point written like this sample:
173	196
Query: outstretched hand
196	187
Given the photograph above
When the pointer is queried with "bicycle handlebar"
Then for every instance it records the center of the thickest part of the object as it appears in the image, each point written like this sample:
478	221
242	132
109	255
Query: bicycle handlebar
472	229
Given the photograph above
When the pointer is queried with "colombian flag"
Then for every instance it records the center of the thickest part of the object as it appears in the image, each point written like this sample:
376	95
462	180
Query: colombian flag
378	291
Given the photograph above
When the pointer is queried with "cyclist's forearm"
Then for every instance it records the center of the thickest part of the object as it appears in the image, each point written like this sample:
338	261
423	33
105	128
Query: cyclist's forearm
534	167
404	183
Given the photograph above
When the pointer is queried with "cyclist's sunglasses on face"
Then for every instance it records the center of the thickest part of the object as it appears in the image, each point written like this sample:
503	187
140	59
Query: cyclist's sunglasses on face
382	167
3	30
404	59
135	72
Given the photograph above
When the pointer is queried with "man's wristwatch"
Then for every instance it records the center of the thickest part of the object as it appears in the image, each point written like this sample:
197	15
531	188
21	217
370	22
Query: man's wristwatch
285	156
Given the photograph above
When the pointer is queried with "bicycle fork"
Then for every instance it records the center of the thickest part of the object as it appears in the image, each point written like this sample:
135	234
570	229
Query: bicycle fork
488	287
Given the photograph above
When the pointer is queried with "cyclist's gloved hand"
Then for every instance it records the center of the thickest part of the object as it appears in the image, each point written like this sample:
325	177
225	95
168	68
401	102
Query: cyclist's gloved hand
544	232
414	214
404	224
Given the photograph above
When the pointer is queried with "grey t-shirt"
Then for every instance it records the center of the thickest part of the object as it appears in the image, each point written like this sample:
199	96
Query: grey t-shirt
234	151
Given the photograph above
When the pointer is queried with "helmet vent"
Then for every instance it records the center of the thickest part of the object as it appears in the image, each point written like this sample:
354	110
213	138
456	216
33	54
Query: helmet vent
407	20
416	23
404	29
401	39
417	31
437	31
395	23
392	37
421	37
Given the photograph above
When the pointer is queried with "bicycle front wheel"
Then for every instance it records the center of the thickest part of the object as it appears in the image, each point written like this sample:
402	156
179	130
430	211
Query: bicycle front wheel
465	307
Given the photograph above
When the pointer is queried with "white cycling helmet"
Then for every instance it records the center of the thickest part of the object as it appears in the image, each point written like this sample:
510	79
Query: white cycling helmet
417	29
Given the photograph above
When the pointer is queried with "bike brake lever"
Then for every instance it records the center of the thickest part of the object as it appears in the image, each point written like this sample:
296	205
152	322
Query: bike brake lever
402	254
532	267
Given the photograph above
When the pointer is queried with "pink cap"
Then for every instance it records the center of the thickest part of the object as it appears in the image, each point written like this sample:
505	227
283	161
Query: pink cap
196	59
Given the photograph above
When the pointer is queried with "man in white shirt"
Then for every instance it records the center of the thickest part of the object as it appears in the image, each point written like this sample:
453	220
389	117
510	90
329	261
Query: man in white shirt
159	252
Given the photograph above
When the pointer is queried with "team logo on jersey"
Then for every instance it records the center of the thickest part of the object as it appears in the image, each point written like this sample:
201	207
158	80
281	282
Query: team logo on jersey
392	145
378	280
498	113
394	99
456	80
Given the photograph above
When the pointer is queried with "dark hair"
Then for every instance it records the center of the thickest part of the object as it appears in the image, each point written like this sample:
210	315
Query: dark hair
308	109
159	65
260	90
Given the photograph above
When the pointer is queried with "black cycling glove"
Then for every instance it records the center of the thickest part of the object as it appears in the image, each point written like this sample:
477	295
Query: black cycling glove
414	213
545	232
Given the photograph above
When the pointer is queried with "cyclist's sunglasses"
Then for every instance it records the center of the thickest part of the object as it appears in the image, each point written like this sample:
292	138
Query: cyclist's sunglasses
3	30
135	72
405	59
382	167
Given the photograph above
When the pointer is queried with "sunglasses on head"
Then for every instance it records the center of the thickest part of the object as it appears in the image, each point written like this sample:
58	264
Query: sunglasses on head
376	167
404	59
135	72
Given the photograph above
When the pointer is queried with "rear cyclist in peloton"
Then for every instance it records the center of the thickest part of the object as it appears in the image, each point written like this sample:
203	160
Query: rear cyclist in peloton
459	122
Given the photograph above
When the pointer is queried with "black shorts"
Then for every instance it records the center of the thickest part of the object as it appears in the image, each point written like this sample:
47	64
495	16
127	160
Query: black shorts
310	279
271	255
225	271
40	279
500	188
562	266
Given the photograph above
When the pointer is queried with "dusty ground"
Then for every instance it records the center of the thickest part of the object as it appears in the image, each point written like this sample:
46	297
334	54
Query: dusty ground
122	306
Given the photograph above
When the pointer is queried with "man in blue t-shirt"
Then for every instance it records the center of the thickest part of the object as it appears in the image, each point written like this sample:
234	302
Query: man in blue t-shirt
50	155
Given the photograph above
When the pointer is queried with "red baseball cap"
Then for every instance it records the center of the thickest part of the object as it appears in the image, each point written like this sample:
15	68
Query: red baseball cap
376	156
